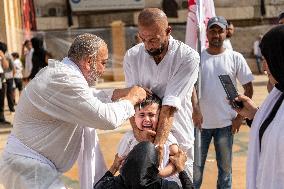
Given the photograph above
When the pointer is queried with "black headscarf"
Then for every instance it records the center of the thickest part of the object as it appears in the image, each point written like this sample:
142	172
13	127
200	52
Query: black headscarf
140	169
38	58
272	48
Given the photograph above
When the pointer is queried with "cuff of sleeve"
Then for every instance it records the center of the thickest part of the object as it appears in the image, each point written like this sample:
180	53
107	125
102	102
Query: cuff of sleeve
109	92
172	101
128	106
250	78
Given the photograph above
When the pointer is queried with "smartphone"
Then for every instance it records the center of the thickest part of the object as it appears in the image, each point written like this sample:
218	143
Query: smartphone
230	91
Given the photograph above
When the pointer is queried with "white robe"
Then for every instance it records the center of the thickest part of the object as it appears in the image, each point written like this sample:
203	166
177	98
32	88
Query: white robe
265	169
53	110
172	79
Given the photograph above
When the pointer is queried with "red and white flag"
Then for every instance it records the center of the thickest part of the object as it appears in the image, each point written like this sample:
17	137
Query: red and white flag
199	12
29	18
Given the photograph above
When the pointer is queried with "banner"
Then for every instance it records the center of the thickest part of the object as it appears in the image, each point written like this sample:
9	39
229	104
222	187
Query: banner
29	18
199	12
92	5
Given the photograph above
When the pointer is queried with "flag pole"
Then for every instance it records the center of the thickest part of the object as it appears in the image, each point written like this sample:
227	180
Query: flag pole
197	153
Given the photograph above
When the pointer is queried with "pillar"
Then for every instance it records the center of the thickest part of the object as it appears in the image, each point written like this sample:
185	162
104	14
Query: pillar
118	49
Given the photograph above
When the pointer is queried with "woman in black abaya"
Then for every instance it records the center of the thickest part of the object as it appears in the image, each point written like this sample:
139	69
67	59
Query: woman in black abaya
140	171
265	163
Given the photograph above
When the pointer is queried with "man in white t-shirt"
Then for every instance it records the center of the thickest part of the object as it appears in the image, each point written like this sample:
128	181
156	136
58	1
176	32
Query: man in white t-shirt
169	68
220	121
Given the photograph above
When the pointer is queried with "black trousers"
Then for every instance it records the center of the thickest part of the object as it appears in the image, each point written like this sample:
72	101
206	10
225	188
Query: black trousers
2	99
10	94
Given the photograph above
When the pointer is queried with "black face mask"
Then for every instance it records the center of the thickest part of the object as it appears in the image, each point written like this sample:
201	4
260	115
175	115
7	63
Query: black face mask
158	51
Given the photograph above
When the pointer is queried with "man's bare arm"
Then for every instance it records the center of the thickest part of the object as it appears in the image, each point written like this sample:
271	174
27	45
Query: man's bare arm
165	123
197	117
237	122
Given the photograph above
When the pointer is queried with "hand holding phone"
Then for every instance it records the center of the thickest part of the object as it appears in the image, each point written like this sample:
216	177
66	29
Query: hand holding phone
230	91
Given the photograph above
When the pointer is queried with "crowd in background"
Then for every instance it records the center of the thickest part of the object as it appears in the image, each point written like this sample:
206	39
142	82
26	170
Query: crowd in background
18	70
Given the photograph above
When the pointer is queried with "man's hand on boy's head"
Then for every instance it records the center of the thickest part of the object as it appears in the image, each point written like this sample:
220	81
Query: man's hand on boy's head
134	94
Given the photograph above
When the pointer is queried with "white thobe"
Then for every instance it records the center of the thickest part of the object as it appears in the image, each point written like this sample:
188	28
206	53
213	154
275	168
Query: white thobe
51	115
265	169
172	79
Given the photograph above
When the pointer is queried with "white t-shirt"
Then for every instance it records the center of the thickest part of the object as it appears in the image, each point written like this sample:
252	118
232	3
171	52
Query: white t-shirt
216	111
256	49
227	44
19	68
128	142
173	79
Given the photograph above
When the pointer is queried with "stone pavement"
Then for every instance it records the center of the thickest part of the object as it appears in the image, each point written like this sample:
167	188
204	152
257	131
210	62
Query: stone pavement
109	141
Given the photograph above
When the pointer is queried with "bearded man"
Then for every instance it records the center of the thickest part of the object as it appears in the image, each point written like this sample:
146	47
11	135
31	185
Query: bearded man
53	112
169	68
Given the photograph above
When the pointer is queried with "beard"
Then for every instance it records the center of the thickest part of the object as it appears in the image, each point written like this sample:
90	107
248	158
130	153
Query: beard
158	51
93	76
216	43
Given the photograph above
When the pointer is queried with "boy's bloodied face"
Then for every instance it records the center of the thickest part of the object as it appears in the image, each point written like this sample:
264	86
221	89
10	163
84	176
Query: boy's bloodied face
147	118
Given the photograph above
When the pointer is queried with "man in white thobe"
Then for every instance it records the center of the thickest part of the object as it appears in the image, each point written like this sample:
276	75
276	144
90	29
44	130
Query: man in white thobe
54	111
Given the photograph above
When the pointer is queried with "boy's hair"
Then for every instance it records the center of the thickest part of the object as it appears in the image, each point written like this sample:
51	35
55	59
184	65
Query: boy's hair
15	55
151	99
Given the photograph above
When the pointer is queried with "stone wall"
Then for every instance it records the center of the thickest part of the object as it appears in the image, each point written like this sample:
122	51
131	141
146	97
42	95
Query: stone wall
247	10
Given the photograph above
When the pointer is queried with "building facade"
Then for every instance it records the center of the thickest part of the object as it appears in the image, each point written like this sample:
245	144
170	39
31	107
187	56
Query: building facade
96	16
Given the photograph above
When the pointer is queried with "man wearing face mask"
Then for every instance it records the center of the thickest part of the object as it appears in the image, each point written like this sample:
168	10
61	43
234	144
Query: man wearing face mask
54	111
169	68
